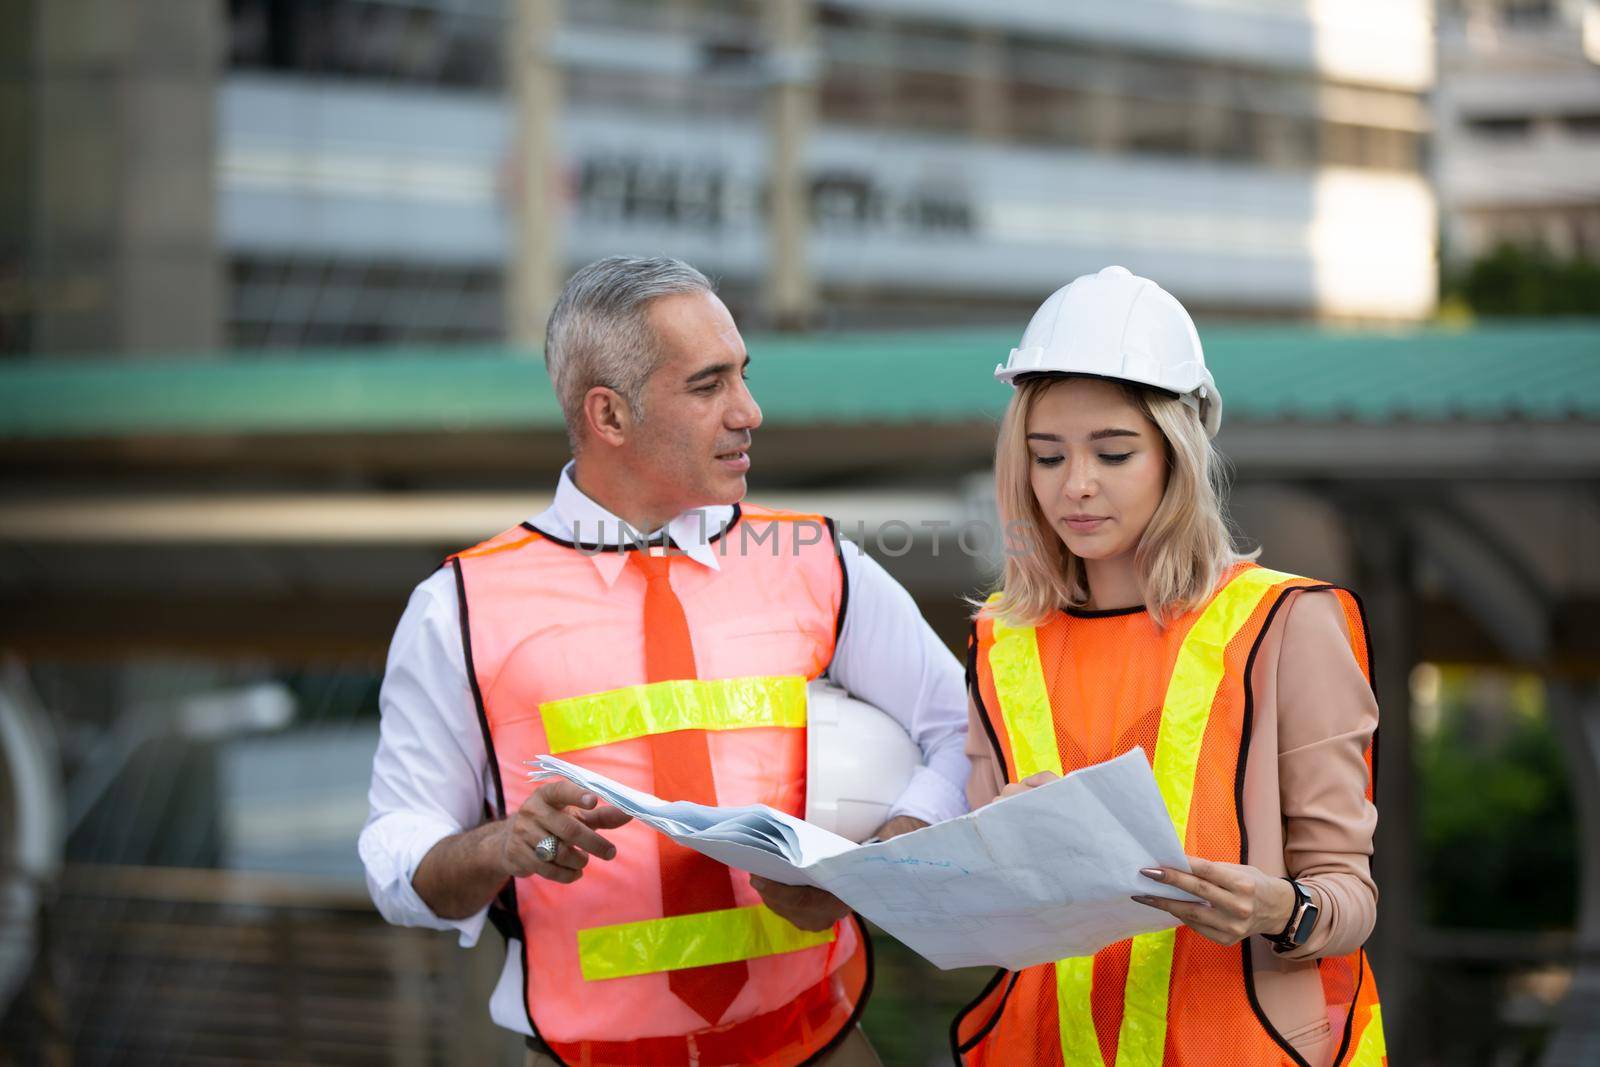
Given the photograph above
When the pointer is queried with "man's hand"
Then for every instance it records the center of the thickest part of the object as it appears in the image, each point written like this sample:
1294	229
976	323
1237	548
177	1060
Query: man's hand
807	907
900	824
572	816
462	873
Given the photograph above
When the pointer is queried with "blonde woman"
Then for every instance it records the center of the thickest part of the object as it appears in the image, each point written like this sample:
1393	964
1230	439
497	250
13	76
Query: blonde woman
1128	618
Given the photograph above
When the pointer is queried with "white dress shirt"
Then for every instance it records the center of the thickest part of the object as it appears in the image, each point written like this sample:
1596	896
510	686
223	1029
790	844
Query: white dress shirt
431	776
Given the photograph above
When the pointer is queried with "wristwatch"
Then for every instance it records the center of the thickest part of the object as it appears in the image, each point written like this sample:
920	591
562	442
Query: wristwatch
1302	920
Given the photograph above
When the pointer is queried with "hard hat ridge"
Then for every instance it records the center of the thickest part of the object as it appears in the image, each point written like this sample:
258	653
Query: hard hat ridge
1114	324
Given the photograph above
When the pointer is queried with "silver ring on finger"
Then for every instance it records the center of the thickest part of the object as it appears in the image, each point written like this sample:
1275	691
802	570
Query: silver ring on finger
547	847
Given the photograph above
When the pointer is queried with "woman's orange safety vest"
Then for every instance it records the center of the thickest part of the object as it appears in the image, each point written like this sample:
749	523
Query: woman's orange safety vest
1171	998
556	659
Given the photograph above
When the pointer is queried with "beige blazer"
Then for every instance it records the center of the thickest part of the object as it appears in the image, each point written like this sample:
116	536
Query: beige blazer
1305	807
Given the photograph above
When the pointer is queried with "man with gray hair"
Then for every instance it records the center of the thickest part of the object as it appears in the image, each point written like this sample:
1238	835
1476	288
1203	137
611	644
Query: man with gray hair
654	627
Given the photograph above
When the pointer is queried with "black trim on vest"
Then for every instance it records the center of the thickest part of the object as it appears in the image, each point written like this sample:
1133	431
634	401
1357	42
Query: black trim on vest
1104	613
861	1005
1372	683
503	917
1238	808
957	1049
1375	730
976	692
509	924
1350	1020
477	694
503	908
630	546
844	582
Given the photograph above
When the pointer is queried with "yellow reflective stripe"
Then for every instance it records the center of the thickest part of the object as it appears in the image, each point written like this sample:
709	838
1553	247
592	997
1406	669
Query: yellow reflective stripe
1025	707
661	707
1142	1039
1024	699
1196	676
699	940
1074	1009
1372	1051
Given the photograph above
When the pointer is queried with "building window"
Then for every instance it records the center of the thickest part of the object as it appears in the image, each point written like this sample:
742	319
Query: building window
434	42
1581	125
1501	128
1055	115
300	302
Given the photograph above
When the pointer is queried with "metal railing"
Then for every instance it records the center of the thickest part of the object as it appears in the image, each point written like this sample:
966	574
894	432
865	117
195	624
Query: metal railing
173	965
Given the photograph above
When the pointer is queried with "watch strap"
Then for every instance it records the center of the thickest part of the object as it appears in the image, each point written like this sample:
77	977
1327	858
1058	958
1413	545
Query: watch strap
1294	911
1302	917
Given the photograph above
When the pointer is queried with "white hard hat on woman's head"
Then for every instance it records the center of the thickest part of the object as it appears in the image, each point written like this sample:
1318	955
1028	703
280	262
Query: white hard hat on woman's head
1116	325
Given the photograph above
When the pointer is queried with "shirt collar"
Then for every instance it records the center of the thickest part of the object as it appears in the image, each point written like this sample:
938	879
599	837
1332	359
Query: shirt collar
575	517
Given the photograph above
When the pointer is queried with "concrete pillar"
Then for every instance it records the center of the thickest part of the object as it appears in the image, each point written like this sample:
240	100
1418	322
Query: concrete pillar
988	101
790	295
116	132
16	174
537	266
1211	116
1575	713
1280	143
1385	565
1105	110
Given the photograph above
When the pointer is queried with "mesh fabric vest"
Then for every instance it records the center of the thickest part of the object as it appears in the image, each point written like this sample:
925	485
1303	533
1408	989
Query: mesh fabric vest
1079	690
557	661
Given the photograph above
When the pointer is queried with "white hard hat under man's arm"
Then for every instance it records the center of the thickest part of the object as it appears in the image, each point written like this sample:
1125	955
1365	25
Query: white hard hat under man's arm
889	656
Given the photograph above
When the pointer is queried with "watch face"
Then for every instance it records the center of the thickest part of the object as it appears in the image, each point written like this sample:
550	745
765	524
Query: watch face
1307	923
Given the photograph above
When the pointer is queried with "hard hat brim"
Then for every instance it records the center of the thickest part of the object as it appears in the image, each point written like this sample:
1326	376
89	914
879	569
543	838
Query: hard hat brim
1208	408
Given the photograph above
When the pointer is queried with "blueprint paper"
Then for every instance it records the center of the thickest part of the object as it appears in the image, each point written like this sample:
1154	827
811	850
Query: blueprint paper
1028	879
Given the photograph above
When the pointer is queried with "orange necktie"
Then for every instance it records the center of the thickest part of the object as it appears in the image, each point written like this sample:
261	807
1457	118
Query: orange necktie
690	883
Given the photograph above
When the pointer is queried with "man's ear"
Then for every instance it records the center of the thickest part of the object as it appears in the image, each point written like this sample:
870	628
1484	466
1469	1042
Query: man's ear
607	416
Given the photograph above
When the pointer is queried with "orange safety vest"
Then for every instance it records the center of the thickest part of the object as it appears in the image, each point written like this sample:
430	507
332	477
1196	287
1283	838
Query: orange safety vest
556	661
1170	998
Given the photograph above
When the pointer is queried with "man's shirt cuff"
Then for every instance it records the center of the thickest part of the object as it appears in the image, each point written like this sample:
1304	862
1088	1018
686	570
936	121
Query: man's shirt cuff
931	797
392	848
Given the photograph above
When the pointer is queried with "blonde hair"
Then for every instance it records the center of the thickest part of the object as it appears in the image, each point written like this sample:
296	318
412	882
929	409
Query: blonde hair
1182	554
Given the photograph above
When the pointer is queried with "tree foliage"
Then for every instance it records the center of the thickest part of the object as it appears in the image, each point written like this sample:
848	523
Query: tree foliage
1527	280
1498	827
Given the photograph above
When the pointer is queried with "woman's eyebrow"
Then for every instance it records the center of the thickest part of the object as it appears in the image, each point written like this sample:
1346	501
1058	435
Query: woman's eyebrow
1099	435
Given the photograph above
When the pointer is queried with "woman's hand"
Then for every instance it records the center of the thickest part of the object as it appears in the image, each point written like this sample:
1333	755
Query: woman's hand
1033	781
1239	900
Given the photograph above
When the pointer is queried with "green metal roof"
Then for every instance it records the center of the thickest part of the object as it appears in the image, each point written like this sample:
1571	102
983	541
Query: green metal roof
1537	371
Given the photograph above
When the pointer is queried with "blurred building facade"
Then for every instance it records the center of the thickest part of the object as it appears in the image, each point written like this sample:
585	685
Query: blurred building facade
953	162
1518	126
187	545
108	240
